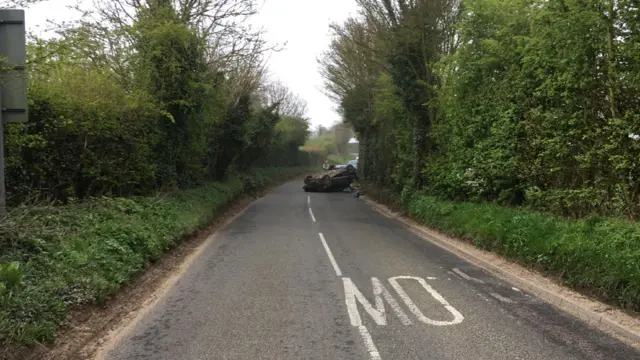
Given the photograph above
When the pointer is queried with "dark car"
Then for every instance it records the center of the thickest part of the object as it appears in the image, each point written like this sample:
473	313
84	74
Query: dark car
334	179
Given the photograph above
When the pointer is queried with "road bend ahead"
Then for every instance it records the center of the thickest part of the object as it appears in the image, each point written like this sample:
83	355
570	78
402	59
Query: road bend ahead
324	276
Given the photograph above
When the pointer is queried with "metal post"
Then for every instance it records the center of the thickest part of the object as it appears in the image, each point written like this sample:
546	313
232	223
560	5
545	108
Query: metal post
13	83
3	194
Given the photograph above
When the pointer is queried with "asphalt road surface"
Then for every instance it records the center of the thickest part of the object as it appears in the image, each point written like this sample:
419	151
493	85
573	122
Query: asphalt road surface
324	276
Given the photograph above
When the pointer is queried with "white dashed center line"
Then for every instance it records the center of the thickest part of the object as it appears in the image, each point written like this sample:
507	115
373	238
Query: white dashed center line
377	311
366	337
465	276
502	298
331	258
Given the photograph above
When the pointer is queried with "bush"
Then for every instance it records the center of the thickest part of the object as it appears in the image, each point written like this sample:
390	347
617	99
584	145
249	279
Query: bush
56	258
598	255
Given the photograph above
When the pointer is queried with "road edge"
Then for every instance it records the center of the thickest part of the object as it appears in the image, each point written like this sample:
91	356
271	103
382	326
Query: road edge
93	329
600	320
115	335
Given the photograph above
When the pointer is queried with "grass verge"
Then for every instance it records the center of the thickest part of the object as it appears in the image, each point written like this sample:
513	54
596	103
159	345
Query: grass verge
597	256
53	259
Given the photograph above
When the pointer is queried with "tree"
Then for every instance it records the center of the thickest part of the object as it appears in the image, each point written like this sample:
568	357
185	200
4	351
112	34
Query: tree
288	104
10	4
518	102
145	95
342	134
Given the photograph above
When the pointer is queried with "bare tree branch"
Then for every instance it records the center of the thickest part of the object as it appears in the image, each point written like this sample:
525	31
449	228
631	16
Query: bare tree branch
288	103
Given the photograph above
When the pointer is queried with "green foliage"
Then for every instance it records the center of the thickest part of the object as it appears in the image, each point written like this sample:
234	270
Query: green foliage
10	276
527	118
53	259
259	134
479	136
134	107
150	112
292	131
526	103
598	255
290	135
324	144
390	117
520	102
162	98
229	138
168	65
332	144
85	136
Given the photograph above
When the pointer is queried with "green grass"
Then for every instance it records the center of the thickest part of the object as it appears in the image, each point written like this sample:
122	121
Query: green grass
598	256
55	258
324	144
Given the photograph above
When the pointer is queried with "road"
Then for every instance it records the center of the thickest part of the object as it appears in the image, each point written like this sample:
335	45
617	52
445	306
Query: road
324	276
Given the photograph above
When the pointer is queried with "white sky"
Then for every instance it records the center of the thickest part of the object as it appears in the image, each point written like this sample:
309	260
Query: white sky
303	24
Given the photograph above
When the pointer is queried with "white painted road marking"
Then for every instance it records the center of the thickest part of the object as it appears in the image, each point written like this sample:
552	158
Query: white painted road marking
457	271
352	293
457	317
311	213
308	200
368	343
353	296
331	258
502	298
366	337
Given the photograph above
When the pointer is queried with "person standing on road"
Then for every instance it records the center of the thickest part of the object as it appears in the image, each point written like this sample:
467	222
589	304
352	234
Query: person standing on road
326	165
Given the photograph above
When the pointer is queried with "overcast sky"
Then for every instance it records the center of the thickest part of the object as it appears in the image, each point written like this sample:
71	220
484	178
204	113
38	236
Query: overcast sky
303	24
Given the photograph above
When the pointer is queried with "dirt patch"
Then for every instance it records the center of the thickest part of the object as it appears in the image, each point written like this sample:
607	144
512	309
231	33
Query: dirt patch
92	326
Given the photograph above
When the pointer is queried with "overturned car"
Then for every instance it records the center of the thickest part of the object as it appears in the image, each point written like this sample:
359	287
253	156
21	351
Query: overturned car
334	179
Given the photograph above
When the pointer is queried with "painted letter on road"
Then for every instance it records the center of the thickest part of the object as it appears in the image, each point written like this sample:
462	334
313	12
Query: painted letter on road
457	317
353	296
